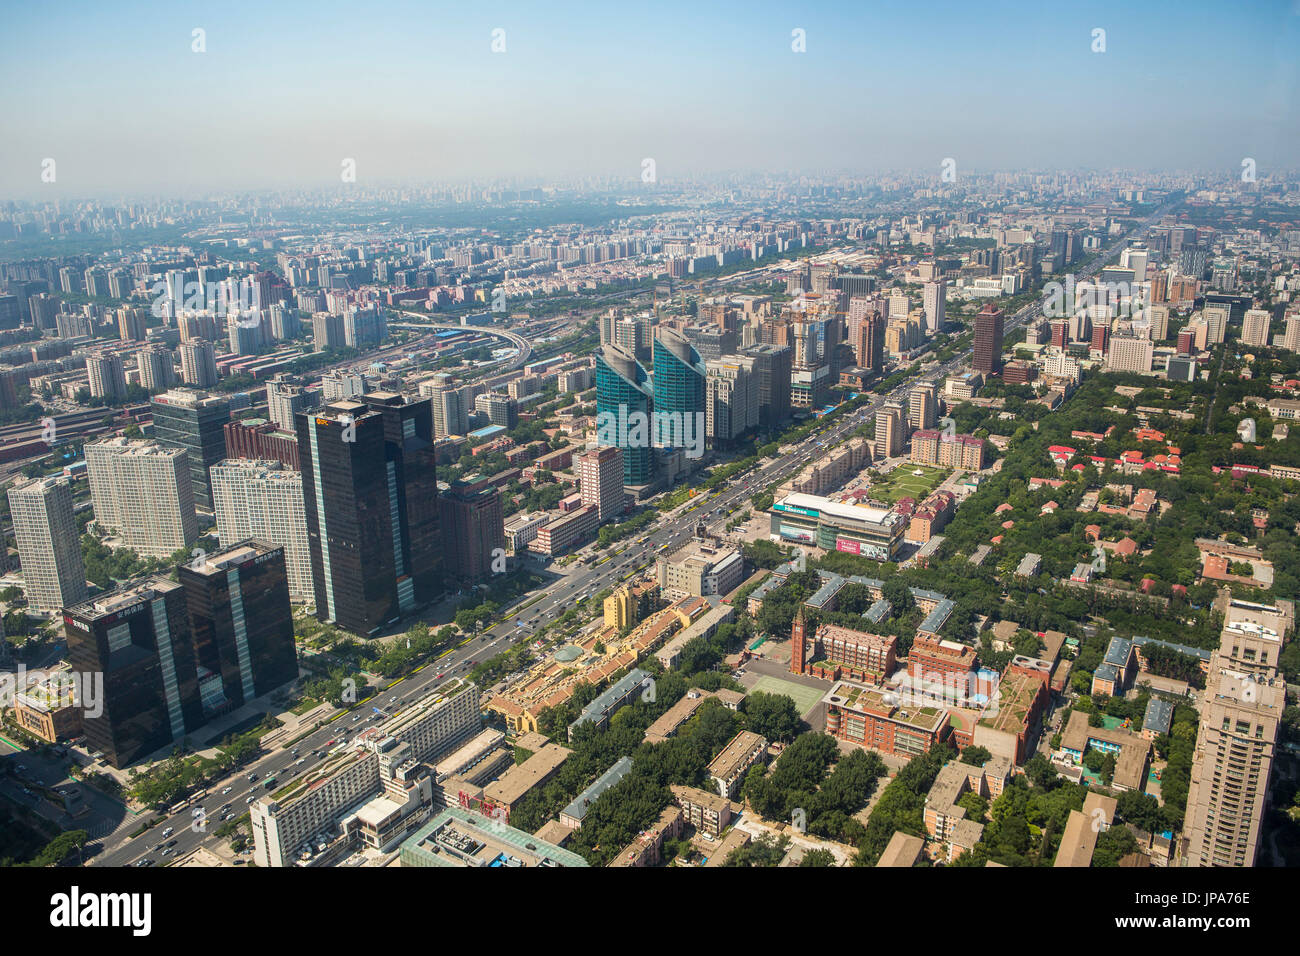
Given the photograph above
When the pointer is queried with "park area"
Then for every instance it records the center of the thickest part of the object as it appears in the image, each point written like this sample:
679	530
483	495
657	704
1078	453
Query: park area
908	480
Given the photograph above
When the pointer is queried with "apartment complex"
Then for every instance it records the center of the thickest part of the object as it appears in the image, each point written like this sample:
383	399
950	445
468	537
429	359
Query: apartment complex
144	493
45	530
263	500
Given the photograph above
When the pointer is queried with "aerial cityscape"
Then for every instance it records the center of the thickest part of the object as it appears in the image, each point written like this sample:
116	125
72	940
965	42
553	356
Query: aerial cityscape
565	438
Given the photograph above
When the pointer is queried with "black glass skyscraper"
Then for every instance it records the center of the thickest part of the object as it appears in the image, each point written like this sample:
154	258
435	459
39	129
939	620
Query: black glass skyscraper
370	495
195	421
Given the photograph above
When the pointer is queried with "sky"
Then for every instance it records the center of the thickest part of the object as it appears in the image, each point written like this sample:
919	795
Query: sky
413	92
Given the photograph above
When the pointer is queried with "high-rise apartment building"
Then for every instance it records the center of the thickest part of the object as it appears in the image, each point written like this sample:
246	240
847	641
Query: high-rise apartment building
107	376
1254	328
891	430
155	366
143	492
198	363
934	298
1241	712
600	481
194	421
264	500
923	406
473	530
448	404
1130	353
285	398
49	547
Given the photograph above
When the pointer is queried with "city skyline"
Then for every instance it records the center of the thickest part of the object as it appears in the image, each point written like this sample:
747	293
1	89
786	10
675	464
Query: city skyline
701	92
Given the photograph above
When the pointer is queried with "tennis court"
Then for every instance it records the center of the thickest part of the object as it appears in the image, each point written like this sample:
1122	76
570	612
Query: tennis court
805	698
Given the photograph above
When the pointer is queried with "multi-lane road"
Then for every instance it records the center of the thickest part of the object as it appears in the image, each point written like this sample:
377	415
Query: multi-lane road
522	618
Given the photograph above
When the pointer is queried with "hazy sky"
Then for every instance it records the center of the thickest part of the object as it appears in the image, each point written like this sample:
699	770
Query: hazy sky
412	91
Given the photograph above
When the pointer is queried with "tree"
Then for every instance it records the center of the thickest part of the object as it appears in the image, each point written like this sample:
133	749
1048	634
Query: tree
976	756
818	858
773	716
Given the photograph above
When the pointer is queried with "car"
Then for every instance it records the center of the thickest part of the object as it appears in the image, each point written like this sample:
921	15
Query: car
357	717
393	699
226	791
168	832
251	797
252	778
167	852
441	675
300	762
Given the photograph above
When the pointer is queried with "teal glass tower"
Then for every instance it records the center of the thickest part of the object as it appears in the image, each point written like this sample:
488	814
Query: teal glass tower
679	389
625	400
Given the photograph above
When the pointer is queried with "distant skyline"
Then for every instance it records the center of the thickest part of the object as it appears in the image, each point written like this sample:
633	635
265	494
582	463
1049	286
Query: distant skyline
413	92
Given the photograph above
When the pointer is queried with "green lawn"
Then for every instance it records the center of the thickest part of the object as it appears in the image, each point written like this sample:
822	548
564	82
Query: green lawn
805	698
902	483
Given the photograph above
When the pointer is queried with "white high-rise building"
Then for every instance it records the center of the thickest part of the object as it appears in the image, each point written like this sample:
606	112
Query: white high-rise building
1289	337
1216	320
1254	327
600	479
106	375
49	547
143	493
198	363
263	500
934	299
285	398
155	365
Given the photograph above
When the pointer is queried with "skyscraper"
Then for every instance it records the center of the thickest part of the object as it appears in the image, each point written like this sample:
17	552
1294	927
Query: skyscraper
138	638
1241	711
988	341
143	491
679	390
772	371
923	408
106	375
241	623
155	365
49	547
934	299
193	420
372	509
623	390
448	405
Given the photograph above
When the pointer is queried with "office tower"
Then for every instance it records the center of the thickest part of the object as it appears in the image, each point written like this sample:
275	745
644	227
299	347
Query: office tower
264	500
988	341
731	397
131	324
890	430
198	363
194	421
867	337
448	405
155	366
1057	248
1136	259
372	509
1130	354
144	493
327	331
473	529
49	547
710	341
624	402
107	376
1216	317
1060	333
600	481
897	305
285	398
772	372
923	406
340	384
138	638
934	299
679	391
1254	327
1241	710
241	624
1100	338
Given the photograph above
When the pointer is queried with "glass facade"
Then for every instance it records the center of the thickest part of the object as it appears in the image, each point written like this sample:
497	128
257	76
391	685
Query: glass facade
622	391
